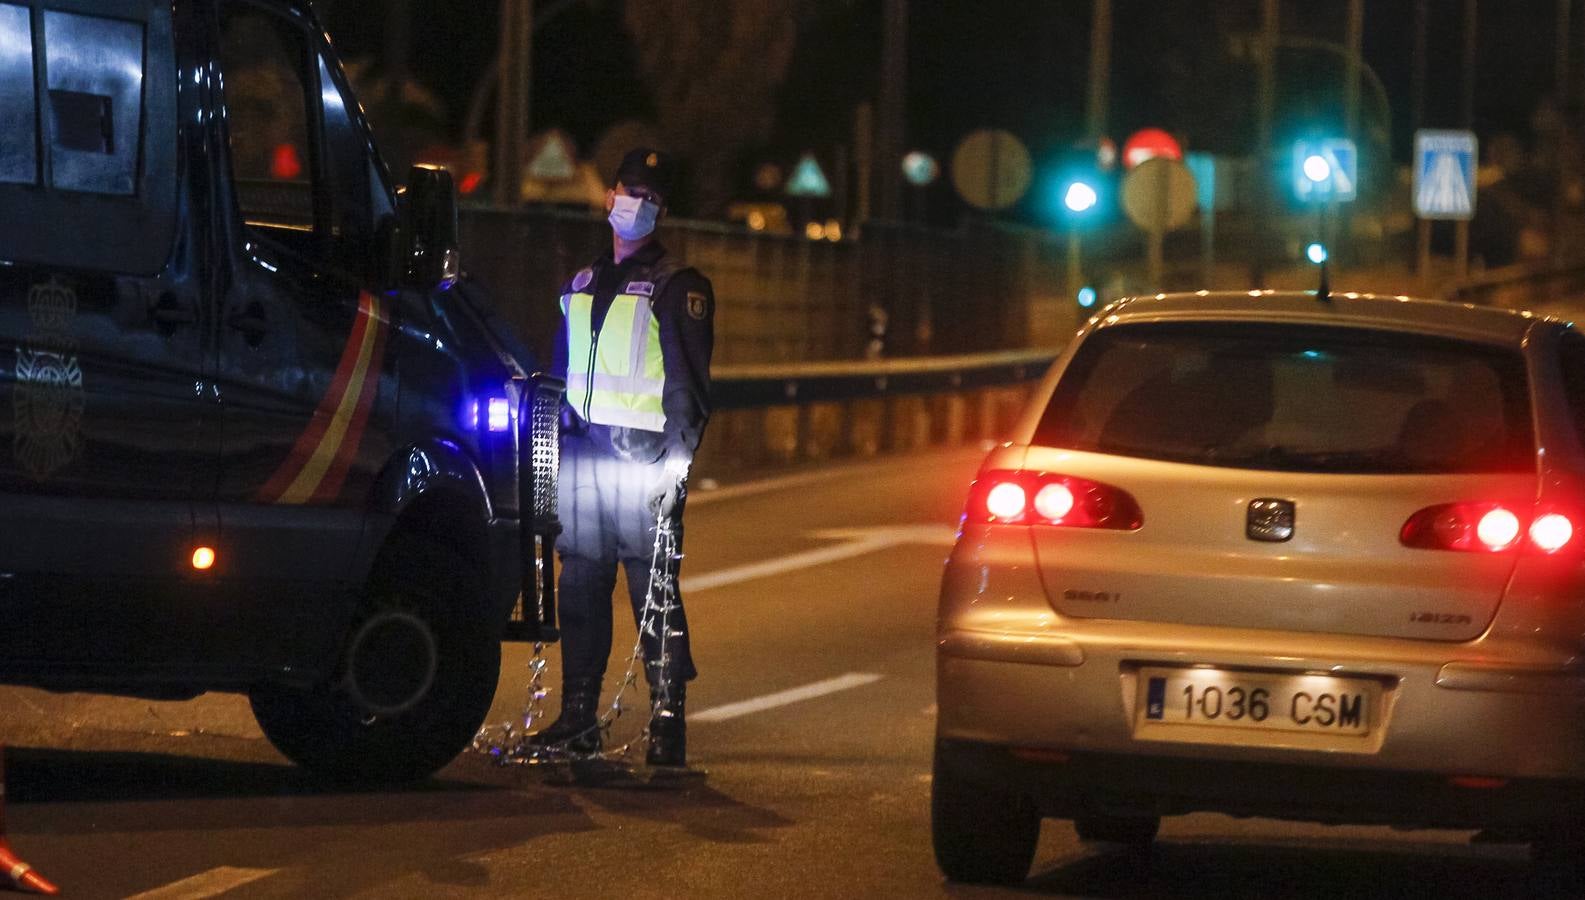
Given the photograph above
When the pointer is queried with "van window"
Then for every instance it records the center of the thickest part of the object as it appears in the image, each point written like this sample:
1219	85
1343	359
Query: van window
95	101
18	136
359	194
265	58
89	134
1294	398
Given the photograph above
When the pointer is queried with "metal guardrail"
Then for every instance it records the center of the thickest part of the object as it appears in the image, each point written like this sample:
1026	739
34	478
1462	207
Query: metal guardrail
758	386
1519	285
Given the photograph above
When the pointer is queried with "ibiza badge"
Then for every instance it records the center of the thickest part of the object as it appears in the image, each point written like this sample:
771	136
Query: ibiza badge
582	279
48	400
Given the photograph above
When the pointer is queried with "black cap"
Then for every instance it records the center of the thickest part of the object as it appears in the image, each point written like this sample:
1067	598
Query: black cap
649	168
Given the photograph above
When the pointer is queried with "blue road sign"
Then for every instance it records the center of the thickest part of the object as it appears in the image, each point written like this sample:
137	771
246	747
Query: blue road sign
1341	181
808	180
1444	174
1203	167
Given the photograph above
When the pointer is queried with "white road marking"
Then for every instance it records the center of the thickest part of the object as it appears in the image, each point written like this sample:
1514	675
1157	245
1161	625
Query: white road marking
212	883
783	698
855	542
703	496
766	485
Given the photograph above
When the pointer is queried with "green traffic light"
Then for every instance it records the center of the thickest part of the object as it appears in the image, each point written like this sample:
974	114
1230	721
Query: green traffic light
1080	197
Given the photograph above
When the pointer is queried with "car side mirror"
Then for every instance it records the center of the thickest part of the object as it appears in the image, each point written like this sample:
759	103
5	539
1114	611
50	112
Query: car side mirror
427	249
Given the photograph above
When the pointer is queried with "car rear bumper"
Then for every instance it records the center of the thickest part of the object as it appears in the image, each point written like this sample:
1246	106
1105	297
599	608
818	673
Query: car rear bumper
1070	783
1440	719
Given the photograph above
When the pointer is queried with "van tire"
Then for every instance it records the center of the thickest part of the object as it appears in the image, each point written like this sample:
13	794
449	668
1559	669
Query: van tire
417	675
982	835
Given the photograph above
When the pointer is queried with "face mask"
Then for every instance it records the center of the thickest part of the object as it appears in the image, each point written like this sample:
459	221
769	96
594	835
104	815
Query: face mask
632	218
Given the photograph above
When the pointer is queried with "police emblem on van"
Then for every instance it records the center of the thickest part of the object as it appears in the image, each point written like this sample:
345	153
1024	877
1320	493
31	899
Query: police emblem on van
48	399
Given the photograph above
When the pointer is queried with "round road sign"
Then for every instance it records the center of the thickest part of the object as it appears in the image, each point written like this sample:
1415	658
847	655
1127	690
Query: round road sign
1150	143
1159	194
991	169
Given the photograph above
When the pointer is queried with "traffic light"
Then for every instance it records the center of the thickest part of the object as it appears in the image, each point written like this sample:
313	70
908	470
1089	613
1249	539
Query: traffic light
1080	197
1087	297
1316	253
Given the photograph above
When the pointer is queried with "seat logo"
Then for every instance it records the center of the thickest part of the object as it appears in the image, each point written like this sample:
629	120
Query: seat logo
1269	520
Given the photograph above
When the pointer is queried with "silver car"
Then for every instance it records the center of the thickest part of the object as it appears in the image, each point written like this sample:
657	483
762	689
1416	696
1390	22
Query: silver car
1275	555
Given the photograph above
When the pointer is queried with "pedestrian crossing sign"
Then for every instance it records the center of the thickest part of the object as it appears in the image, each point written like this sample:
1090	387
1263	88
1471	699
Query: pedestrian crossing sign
1444	174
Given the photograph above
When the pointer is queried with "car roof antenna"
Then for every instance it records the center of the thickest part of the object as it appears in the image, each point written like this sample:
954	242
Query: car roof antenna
1317	253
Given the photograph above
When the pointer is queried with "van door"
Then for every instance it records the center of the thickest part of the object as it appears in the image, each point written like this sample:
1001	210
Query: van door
307	392
102	392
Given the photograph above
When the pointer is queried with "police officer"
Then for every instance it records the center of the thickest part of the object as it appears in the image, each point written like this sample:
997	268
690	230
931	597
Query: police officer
635	349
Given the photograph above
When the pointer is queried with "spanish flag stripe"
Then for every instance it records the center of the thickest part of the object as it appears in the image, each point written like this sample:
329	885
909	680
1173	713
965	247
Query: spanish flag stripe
346	454
318	464
324	415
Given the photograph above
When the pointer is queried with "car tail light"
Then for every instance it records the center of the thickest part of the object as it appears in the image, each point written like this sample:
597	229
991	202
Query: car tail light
1040	498
1551	532
1486	528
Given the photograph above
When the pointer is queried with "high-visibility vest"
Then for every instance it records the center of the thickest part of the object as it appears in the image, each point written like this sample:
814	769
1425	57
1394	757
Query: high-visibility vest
617	375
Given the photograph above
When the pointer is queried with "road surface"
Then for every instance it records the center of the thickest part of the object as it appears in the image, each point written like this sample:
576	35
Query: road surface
812	600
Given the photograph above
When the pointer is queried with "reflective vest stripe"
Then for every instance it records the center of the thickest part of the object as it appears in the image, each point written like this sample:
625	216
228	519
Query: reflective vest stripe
620	378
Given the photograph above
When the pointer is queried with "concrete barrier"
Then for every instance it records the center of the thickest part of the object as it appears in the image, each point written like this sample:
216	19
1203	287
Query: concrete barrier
784	415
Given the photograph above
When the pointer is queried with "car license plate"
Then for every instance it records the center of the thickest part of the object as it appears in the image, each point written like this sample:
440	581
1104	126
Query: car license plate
1258	700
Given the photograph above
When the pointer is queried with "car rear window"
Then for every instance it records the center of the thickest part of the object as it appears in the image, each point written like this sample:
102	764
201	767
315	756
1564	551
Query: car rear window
1294	398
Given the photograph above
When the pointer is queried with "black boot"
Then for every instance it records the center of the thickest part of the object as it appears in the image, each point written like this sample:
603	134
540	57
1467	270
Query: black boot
577	729
668	731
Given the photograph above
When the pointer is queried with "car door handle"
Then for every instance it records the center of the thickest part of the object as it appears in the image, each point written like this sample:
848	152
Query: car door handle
252	323
170	313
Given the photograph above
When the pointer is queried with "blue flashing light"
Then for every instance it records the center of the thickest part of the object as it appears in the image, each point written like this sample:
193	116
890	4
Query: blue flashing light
1087	296
470	416
1316	252
500	414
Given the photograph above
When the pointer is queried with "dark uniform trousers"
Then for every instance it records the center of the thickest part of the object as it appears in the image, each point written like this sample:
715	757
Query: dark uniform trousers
608	514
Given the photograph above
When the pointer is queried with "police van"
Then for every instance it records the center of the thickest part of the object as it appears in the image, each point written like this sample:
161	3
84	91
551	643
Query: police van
252	438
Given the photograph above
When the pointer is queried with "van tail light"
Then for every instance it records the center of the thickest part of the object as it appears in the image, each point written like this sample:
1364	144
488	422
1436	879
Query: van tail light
1009	497
1487	528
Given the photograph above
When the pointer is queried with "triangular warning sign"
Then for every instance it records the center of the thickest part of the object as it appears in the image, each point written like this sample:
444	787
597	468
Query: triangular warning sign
808	180
1445	189
552	158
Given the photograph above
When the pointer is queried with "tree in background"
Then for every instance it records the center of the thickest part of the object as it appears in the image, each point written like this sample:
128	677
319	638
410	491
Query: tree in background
713	68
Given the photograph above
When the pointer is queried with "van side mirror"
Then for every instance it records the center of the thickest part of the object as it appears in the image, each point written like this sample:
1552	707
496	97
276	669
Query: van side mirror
428	252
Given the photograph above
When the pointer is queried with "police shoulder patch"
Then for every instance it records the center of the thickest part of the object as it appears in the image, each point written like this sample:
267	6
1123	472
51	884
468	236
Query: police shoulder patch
698	304
640	288
582	279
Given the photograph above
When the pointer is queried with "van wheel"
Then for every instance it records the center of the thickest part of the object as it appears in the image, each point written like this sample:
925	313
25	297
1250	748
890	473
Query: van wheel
415	680
1134	831
981	835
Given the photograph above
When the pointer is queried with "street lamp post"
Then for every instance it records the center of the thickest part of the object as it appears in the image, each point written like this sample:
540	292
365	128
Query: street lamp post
1079	198
1319	172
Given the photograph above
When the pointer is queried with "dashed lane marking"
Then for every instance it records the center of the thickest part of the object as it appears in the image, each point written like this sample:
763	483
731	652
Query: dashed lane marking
212	883
787	697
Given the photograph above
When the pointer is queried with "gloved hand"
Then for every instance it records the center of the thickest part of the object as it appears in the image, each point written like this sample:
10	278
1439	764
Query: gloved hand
673	483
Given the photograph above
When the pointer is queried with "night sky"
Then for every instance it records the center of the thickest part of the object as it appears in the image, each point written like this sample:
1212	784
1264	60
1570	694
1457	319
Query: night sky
1015	64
